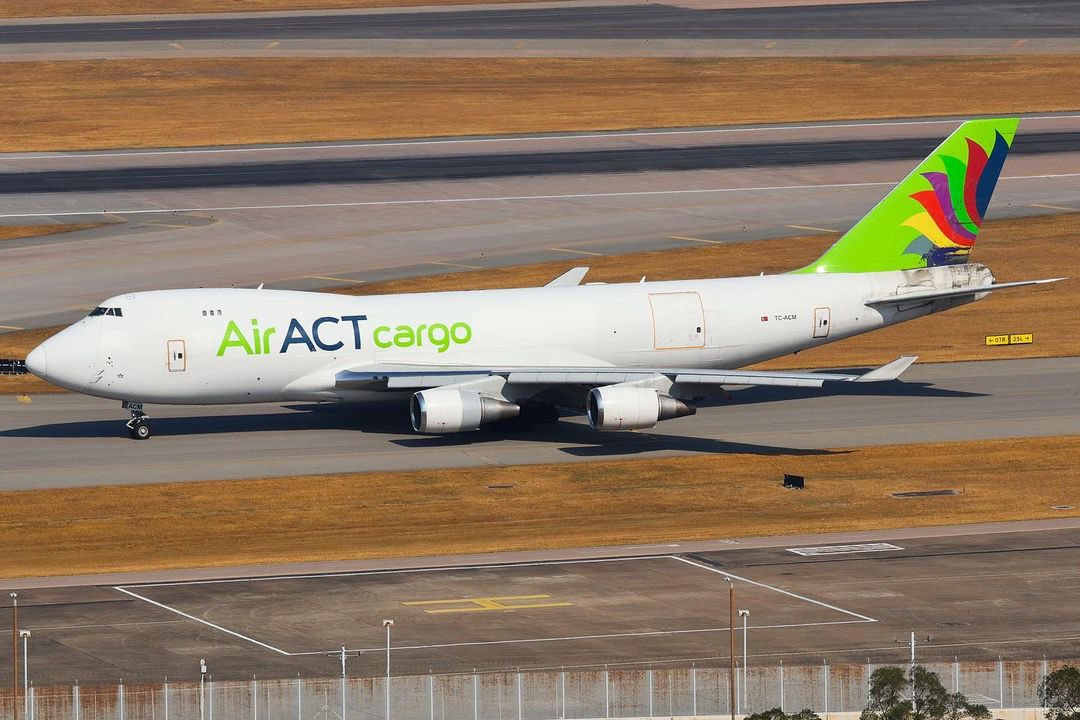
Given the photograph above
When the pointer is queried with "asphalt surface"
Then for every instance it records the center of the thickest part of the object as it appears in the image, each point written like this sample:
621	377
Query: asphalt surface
1009	591
937	19
71	440
497	165
309	235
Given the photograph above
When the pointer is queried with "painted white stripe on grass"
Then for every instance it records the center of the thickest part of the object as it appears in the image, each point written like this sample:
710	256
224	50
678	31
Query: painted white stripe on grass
183	614
862	618
494	198
502	139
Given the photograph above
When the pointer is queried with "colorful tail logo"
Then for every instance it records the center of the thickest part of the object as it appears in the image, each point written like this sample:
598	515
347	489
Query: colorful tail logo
933	215
954	206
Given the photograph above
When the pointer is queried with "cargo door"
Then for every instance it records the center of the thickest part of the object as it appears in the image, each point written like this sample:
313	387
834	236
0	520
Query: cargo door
678	320
821	322
177	351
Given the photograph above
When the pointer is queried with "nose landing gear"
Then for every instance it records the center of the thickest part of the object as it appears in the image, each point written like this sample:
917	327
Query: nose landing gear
139	424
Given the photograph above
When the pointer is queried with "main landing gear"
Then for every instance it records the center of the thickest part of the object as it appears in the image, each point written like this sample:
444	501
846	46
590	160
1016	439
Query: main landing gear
139	424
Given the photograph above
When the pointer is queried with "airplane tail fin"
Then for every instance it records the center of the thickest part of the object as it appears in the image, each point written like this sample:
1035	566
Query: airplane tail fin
933	216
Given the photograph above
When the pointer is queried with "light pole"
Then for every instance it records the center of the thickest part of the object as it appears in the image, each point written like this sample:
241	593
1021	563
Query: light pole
731	636
745	615
25	635
14	654
386	690
202	689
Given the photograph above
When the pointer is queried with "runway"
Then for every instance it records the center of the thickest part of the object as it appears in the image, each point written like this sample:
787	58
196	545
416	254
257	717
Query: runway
882	21
70	440
578	196
982	592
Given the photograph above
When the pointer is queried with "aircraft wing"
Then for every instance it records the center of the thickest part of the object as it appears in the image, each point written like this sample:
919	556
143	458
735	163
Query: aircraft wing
904	298
417	378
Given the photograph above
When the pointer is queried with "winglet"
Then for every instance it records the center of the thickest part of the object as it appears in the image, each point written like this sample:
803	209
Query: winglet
570	278
889	371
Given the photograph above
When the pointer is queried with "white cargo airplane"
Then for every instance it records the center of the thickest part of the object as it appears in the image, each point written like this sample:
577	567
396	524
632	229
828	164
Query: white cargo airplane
629	354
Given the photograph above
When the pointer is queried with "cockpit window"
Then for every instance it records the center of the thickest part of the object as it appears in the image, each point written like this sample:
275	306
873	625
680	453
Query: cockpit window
115	312
98	311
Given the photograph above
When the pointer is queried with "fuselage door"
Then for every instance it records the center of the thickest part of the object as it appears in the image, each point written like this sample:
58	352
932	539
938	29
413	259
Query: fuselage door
821	322
177	356
678	320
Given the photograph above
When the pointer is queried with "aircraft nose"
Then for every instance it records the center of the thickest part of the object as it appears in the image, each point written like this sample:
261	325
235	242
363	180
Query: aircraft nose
37	361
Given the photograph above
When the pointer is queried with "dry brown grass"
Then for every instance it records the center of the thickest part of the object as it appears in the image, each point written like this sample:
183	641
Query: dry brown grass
294	519
166	102
56	8
1025	248
18	232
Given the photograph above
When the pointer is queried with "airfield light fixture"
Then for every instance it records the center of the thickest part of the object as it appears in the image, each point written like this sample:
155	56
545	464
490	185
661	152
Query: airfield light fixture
745	615
388	624
14	654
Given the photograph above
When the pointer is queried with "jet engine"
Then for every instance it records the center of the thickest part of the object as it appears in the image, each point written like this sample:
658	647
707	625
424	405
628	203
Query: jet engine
631	408
447	410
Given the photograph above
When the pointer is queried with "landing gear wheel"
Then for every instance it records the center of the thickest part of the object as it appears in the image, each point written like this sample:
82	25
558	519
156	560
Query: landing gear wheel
139	428
139	424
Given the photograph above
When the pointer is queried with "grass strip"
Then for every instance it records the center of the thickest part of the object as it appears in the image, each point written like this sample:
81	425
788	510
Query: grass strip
63	8
295	519
189	101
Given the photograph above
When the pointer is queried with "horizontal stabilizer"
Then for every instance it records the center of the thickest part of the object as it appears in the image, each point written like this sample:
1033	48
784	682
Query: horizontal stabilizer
938	294
570	278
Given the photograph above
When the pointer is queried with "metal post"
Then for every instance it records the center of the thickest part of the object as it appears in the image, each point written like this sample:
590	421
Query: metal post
913	705
25	635
738	689
607	694
255	700
299	697
202	689
14	654
209	698
518	695
868	673
782	709
386	690
745	615
562	691
1001	684
431	695
165	696
731	634
342	682
955	675
75	701
650	693
825	674
693	689
475	695
121	700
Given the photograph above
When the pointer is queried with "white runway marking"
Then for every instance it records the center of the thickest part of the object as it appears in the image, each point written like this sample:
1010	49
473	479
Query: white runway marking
494	198
183	614
844	549
857	618
505	139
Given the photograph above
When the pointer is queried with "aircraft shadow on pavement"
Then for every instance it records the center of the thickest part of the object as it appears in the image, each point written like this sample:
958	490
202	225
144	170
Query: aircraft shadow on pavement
899	389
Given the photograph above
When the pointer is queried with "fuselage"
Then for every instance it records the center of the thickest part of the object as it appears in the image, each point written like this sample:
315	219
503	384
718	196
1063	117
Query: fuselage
205	346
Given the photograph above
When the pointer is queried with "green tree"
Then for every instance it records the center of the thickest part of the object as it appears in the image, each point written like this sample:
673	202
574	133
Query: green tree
929	695
887	702
778	714
1059	693
957	707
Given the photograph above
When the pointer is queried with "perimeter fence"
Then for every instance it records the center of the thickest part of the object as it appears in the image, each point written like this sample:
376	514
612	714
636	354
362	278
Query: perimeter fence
526	695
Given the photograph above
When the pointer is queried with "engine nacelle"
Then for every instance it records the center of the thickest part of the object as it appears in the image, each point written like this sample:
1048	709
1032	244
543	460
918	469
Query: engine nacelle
446	410
632	408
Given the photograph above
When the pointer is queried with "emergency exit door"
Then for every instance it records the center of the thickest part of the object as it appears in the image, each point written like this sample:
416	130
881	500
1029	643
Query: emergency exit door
177	356
821	322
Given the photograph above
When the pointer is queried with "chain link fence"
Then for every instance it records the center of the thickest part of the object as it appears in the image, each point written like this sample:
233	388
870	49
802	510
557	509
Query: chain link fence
533	695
